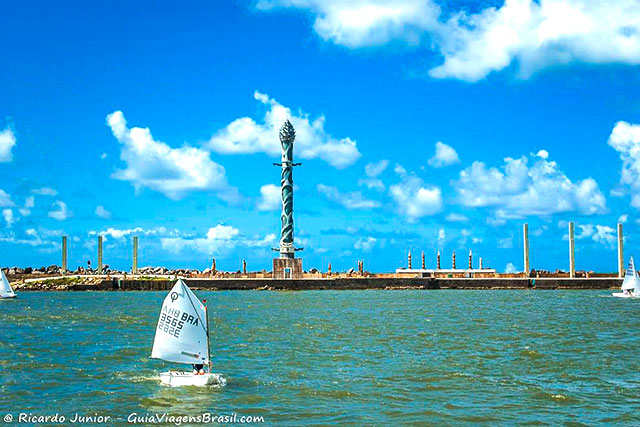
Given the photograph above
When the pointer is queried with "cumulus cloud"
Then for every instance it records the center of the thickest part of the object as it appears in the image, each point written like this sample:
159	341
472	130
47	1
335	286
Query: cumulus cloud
623	218
5	200
366	23
44	191
29	203
101	212
455	217
270	198
352	200
625	139
365	244
220	238
121	233
598	233
517	189
372	171
445	155
510	269
245	136
413	198
61	213
35	238
531	34
9	219
442	234
7	142
173	172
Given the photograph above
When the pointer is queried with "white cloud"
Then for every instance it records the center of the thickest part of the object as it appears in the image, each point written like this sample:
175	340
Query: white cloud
61	213
623	218
44	191
442	234
455	217
103	156
598	233
101	212
270	198
372	170
173	172
5	200
518	189
366	23
532	34
7	214
245	136
412	198
220	238
36	239
543	154
536	35
510	269
445	155
29	202
7	142
352	200
365	244
119	234
625	139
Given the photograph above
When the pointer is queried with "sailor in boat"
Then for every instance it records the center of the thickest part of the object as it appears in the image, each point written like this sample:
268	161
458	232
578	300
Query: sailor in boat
198	369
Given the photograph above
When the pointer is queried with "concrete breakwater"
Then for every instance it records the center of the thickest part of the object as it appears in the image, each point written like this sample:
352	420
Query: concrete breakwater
343	283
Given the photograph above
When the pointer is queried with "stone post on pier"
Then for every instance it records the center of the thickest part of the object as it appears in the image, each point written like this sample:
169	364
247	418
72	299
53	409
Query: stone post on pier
572	253
213	267
438	261
99	254
134	267
409	261
525	238
621	268
480	260
470	260
64	254
244	266
453	260
423	264
329	269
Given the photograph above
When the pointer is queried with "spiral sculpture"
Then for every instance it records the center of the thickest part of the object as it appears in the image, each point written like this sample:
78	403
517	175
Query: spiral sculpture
287	136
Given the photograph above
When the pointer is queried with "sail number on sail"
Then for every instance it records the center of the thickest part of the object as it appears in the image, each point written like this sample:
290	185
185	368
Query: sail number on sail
172	320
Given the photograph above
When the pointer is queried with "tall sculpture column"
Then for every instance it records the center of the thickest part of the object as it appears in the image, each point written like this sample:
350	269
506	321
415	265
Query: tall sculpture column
287	136
287	266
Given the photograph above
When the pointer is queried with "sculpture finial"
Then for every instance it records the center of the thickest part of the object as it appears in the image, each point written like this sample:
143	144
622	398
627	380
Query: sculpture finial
287	132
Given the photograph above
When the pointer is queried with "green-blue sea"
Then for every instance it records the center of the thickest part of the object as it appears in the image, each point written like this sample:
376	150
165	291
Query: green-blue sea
447	357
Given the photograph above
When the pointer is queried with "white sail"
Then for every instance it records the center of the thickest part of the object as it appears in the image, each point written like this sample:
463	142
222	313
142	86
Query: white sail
631	280
181	334
5	287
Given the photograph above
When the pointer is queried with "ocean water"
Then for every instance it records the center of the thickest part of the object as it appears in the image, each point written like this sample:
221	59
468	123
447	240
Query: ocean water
335	357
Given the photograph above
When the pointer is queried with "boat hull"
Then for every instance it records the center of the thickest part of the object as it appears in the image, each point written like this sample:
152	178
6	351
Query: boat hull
623	295
9	297
185	379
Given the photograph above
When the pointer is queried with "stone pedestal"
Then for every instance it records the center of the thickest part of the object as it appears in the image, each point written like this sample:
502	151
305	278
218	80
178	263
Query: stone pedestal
287	268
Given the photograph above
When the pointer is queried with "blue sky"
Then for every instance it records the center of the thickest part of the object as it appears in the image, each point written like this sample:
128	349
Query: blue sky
420	127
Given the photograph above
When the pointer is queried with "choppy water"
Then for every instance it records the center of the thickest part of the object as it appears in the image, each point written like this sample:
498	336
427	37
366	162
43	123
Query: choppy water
321	357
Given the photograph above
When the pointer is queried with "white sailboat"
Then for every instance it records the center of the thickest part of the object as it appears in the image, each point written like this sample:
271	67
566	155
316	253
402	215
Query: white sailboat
182	336
630	284
5	288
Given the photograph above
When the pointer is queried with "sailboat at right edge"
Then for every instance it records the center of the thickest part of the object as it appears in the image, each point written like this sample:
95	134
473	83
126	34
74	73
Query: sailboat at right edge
630	284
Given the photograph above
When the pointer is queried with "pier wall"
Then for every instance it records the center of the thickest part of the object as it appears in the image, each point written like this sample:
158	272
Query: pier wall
352	283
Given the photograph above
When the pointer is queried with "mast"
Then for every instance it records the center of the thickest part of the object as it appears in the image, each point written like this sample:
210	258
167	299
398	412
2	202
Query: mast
206	313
